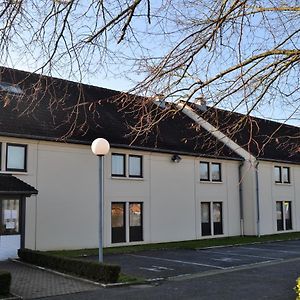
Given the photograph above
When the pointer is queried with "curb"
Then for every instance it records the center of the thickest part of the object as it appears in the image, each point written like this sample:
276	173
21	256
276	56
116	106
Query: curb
103	285
12	297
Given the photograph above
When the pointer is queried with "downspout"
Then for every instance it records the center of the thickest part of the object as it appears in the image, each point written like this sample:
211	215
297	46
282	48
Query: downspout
241	199
257	199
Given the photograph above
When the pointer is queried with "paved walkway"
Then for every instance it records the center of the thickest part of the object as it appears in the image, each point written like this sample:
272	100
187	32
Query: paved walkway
30	283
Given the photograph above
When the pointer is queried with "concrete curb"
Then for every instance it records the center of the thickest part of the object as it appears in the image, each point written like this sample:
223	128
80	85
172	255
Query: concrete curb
103	285
12	297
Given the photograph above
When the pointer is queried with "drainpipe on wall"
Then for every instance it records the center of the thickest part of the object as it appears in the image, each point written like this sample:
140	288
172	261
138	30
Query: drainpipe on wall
241	199
257	199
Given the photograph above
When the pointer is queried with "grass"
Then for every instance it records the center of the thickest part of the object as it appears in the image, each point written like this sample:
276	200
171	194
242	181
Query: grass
124	278
193	244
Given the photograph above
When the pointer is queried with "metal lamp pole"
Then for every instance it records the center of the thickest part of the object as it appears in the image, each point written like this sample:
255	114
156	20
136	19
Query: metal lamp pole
100	147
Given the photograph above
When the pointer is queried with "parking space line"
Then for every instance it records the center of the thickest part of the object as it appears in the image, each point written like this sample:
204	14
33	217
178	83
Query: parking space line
246	255
272	249
178	261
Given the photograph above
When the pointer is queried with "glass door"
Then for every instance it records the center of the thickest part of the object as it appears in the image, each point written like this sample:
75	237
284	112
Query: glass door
135	222
10	220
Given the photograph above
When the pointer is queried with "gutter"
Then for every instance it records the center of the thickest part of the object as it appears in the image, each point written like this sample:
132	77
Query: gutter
257	199
241	199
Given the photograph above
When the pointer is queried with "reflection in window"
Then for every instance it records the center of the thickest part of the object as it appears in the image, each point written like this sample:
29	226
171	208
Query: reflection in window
9	216
204	171
118	165
16	157
216	172
135	166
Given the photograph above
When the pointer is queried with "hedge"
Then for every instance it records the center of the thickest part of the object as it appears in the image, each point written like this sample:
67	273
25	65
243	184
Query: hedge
5	281
87	269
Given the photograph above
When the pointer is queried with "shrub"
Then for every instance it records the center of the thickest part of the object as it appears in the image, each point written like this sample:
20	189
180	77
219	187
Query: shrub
5	281
87	269
297	288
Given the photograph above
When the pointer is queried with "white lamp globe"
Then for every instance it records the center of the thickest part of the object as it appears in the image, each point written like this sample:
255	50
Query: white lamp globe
100	146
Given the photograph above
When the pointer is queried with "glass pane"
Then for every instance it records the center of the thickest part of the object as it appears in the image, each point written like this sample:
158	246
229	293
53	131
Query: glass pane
277	174
287	215
135	166
216	172
205	213
15	157
204	171
279	210
117	215
135	214
10	216
117	167
286	175
217	212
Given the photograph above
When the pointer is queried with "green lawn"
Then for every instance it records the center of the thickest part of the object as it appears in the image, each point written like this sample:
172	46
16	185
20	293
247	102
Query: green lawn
194	244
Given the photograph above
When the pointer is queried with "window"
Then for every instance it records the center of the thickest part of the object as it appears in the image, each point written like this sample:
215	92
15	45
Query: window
135	222
204	171
10	88
119	211
282	174
118	165
210	171
216	172
215	222
16	156
118	221
284	215
286	174
9	216
135	166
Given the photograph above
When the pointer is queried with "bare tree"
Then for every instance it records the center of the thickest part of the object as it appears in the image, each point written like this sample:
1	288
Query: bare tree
241	55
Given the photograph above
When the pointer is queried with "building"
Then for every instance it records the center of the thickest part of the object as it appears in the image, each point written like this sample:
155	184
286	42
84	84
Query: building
191	175
153	192
270	172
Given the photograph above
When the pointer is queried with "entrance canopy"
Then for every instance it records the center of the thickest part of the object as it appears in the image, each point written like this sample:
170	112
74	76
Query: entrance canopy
11	185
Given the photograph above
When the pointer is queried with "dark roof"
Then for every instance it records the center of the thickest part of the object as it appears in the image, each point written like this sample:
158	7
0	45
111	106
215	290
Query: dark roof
61	110
264	139
12	185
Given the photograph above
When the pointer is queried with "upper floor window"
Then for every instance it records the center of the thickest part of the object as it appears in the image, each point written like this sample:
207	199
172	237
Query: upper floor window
118	165
210	171
282	174
135	166
16	156
120	162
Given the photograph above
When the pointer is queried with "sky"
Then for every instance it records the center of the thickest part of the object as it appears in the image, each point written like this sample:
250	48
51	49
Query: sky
120	73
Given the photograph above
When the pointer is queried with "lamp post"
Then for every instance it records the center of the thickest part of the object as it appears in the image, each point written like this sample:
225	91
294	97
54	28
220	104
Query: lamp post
100	147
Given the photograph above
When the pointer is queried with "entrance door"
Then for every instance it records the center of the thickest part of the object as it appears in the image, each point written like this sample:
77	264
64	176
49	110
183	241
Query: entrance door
9	227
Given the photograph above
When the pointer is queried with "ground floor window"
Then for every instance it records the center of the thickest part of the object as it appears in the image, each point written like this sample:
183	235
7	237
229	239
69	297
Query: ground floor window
284	215
211	218
119	223
9	216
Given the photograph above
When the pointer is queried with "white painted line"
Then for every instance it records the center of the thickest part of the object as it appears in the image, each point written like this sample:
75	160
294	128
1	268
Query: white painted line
226	259
276	250
178	261
246	255
150	269
162	268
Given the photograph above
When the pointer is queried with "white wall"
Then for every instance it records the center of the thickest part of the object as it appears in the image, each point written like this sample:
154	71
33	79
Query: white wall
64	215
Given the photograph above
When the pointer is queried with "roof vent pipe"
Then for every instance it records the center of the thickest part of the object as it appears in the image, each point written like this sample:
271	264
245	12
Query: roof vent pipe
200	102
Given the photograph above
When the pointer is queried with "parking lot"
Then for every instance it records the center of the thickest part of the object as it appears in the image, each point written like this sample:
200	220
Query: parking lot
175	263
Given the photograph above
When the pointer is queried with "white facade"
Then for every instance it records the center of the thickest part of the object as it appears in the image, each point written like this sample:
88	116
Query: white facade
64	214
